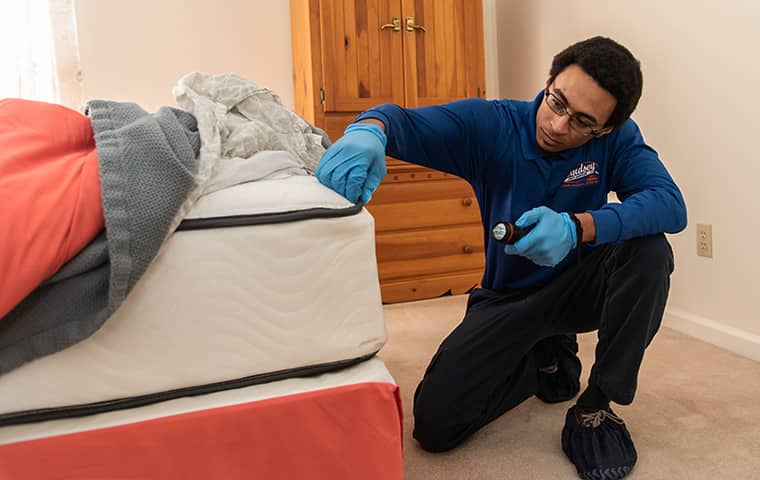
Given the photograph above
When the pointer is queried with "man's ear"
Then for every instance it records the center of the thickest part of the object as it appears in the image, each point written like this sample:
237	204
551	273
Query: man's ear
604	131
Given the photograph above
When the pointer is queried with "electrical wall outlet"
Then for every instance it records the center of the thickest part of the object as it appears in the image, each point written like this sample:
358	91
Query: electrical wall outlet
704	240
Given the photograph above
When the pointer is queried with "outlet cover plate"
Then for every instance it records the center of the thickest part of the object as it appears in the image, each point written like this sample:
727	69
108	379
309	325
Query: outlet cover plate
704	240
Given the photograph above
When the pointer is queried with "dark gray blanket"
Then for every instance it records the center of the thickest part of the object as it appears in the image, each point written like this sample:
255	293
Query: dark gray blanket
147	166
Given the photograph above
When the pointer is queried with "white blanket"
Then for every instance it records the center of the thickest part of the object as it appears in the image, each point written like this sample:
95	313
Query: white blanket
246	133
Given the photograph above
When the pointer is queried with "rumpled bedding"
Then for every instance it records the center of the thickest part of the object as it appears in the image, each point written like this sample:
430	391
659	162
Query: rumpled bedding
246	133
64	176
147	166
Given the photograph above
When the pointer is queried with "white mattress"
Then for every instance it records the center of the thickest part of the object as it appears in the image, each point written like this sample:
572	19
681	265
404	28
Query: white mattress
227	303
372	370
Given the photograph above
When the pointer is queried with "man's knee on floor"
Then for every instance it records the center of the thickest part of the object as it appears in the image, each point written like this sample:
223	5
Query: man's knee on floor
436	431
437	426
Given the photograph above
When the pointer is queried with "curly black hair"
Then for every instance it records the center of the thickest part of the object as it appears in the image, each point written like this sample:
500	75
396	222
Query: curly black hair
612	66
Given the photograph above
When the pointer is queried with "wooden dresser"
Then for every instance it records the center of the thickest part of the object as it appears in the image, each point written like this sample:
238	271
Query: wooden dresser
350	55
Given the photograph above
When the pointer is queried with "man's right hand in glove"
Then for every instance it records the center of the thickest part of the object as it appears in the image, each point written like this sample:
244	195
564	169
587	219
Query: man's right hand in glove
355	164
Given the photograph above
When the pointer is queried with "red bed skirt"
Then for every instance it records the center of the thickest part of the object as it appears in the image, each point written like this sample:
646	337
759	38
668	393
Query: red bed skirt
347	432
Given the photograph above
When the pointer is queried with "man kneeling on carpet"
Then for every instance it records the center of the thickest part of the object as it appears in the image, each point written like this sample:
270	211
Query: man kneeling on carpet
586	264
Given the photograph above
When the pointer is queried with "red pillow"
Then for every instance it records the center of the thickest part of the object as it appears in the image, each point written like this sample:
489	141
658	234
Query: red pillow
50	204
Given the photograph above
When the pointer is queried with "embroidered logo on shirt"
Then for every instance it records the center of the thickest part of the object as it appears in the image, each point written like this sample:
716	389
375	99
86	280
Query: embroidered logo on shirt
587	173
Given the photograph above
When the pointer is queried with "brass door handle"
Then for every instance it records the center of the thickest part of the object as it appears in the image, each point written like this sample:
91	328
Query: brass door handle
411	26
395	25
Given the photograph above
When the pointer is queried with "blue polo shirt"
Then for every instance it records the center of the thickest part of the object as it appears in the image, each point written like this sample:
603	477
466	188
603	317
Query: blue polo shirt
492	145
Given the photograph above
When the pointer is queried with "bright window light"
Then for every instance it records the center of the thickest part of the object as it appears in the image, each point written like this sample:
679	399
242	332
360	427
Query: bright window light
26	50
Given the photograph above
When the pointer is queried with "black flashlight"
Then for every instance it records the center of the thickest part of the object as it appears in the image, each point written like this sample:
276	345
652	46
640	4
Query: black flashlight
509	233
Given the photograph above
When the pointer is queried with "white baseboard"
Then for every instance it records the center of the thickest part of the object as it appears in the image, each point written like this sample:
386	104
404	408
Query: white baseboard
741	342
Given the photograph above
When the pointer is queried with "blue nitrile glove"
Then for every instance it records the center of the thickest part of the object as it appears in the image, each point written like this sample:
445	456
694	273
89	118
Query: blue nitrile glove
550	240
355	164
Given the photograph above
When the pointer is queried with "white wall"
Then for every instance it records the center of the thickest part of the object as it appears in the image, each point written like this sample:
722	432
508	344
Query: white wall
699	110
136	50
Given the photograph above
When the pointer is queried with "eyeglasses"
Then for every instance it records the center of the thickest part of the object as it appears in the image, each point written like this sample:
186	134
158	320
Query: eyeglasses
577	121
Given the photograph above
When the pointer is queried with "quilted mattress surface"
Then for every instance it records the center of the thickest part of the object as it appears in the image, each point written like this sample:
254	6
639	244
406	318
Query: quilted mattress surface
264	280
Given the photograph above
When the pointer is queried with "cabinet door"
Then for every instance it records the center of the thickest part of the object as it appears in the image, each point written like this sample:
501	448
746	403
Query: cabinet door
445	61
362	64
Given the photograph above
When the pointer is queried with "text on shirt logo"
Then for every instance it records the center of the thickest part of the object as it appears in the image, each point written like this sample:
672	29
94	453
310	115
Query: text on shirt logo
587	173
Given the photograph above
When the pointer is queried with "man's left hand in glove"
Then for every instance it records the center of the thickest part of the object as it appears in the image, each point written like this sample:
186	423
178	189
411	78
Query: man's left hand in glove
552	238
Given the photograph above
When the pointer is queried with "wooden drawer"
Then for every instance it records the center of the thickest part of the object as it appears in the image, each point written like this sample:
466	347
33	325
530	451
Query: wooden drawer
438	242
423	214
401	192
429	252
428	266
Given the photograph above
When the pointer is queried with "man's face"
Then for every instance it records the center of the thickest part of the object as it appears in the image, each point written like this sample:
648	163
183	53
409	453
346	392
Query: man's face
588	104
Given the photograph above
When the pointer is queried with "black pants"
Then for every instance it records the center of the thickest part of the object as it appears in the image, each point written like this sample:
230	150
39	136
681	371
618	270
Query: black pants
489	363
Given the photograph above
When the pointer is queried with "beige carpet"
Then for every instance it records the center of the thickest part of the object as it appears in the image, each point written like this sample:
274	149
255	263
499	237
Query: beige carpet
696	413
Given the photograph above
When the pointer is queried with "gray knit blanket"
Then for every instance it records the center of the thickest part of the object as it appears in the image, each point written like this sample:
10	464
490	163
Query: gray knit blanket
148	163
